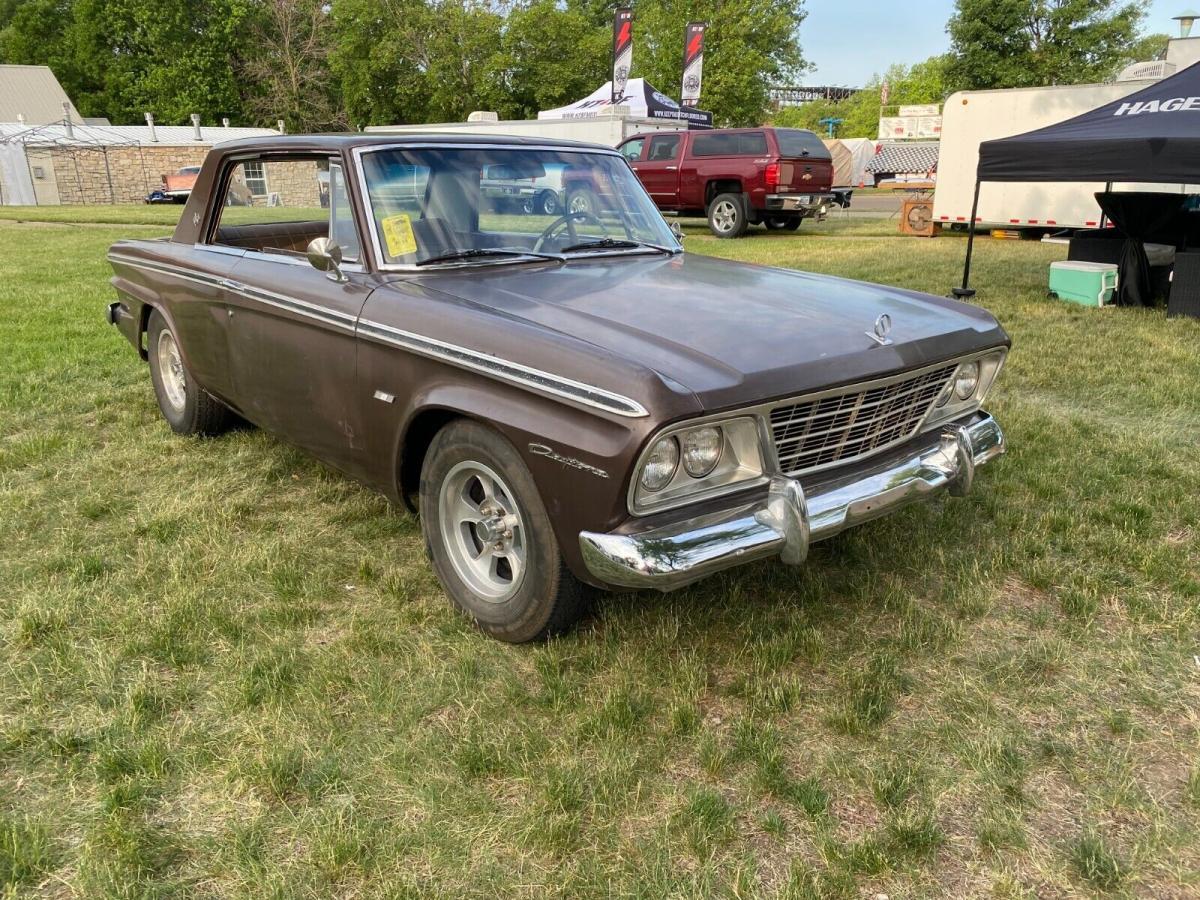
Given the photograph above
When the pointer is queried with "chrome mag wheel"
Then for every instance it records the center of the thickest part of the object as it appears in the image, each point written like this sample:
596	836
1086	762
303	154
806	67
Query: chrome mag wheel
724	216
483	531
170	367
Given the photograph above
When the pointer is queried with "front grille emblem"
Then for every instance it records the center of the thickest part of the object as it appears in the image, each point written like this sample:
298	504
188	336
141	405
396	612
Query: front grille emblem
883	327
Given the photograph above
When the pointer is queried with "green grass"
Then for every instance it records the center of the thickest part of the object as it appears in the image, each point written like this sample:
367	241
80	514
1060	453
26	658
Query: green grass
227	671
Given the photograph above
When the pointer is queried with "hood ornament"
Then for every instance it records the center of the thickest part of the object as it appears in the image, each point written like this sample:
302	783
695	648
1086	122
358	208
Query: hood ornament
883	327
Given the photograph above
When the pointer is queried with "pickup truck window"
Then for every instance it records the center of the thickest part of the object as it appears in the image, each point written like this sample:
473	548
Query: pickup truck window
296	207
796	142
663	147
489	205
737	143
632	150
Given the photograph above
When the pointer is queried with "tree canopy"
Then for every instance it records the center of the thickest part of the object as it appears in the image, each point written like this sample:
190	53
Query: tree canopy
322	64
1027	43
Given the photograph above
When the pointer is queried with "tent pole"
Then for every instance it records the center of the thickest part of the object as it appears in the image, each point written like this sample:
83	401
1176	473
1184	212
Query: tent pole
966	290
1103	214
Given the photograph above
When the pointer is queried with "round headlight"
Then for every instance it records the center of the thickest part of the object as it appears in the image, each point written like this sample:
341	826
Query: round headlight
945	395
966	380
701	451
661	464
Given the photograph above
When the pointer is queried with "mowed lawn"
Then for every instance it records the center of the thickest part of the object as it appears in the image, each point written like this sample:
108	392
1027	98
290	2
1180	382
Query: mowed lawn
226	670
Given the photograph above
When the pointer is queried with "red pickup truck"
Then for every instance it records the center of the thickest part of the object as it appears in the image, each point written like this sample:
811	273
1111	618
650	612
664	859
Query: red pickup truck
737	176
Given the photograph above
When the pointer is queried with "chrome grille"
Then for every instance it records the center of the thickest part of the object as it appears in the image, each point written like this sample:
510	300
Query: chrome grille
837	428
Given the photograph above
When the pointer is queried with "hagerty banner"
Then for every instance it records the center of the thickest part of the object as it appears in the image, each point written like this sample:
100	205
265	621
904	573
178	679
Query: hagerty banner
622	51
693	62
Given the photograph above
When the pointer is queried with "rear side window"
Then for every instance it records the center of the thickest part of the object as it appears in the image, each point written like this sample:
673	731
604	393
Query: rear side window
797	142
738	143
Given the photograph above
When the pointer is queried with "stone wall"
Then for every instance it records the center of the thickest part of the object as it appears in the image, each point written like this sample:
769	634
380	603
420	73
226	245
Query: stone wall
295	183
117	174
88	176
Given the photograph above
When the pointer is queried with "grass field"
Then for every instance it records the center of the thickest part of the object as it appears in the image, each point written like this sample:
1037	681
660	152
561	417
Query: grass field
227	671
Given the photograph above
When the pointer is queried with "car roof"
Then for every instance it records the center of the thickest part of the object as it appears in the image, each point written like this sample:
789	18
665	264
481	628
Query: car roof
334	143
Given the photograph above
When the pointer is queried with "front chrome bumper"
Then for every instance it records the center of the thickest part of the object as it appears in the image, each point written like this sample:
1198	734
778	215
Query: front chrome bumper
789	519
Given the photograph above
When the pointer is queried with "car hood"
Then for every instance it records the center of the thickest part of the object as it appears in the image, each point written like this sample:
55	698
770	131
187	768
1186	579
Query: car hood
731	333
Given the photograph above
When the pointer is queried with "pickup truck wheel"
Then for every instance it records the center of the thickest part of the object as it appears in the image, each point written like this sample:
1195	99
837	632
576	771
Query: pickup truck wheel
583	200
490	539
784	223
548	203
187	407
727	216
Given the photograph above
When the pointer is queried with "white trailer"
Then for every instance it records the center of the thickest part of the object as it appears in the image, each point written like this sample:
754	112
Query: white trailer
971	117
609	129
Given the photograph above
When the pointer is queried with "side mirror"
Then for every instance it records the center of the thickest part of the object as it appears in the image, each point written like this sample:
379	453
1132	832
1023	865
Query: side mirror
324	254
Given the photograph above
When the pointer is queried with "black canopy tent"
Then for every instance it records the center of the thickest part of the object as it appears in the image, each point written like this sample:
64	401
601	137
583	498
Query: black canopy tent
1150	136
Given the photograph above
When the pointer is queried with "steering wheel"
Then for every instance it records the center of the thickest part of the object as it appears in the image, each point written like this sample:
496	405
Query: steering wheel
568	220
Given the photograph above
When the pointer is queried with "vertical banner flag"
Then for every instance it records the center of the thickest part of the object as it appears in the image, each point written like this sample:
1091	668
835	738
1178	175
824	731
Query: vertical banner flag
622	51
693	62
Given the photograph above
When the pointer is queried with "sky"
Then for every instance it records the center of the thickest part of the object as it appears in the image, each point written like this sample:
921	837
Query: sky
851	40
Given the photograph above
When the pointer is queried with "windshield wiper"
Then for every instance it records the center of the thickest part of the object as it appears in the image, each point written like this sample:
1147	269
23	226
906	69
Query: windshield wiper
480	252
614	243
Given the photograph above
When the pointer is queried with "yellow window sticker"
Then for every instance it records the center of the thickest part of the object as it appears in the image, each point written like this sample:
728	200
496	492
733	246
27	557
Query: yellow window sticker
398	235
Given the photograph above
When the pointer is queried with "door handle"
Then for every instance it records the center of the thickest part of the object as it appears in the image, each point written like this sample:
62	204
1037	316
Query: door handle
671	168
230	285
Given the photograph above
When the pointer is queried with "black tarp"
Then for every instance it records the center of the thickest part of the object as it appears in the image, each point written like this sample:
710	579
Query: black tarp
1152	135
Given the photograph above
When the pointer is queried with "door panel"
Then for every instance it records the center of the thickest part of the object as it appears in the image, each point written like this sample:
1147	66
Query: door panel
292	348
659	169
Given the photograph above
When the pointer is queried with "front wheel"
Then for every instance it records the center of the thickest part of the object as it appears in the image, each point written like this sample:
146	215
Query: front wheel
727	216
187	407
490	540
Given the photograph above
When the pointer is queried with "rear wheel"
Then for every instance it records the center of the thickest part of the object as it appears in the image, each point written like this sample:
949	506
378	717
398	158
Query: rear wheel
489	537
187	407
727	216
783	223
548	203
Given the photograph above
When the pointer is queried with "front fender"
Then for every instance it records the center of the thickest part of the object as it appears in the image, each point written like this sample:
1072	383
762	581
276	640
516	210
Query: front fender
580	460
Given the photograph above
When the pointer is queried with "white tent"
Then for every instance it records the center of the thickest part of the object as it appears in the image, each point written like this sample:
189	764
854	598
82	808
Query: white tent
641	101
850	159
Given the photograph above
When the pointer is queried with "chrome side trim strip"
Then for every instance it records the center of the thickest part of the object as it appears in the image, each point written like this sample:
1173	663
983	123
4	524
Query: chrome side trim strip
337	319
463	357
505	370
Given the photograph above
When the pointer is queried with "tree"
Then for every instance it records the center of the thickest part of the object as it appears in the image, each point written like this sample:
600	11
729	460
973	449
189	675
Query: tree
1024	43
749	45
290	67
122	58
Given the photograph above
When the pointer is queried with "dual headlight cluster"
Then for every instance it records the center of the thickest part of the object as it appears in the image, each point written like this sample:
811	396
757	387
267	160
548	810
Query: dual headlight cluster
701	460
697	461
967	388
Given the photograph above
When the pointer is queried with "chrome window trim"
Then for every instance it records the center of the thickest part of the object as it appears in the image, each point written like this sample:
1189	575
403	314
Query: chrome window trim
462	357
357	154
761	412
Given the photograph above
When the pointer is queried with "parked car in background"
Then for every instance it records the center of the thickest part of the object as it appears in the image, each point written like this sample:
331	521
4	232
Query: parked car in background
507	193
567	400
178	187
737	177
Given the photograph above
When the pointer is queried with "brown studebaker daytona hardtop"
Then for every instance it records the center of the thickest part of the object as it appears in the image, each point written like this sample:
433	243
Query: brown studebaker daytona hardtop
566	396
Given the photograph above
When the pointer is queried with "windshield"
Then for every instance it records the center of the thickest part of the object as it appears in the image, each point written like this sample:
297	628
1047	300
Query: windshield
493	204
